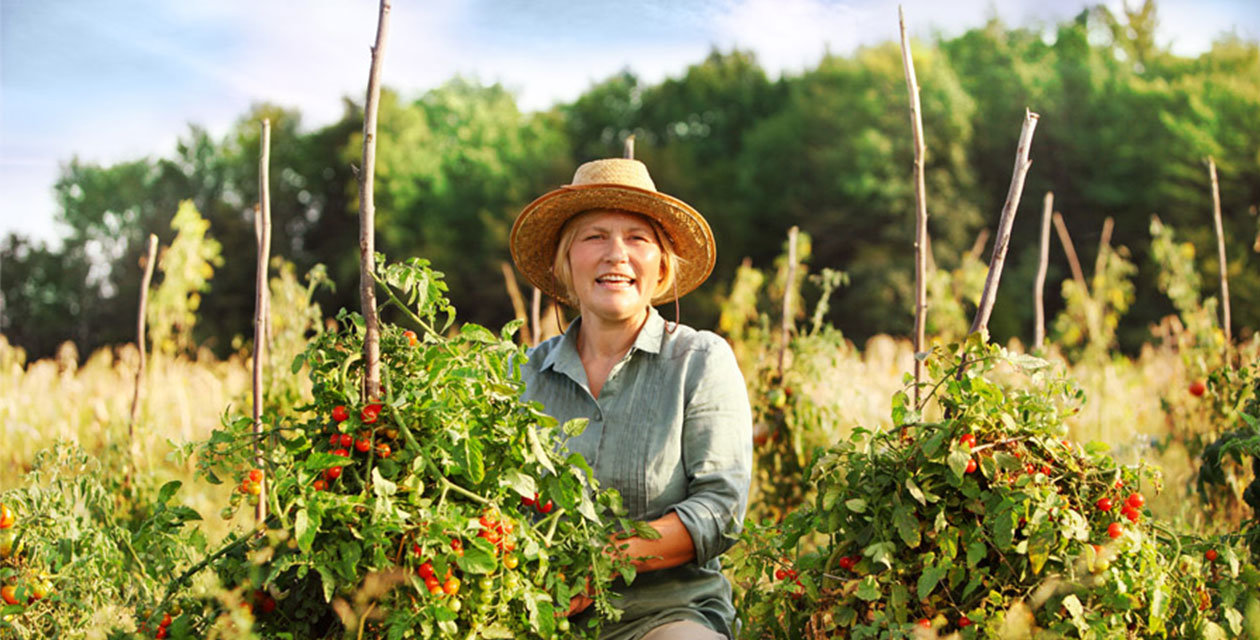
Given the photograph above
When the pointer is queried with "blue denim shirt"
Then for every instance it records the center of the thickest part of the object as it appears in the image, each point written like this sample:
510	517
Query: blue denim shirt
672	431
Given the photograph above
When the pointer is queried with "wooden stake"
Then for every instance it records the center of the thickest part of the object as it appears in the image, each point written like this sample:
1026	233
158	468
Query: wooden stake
1104	243
786	324
262	305
535	306
514	292
977	247
1070	250
367	216
628	150
920	201
1039	285
1220	251
998	259
150	257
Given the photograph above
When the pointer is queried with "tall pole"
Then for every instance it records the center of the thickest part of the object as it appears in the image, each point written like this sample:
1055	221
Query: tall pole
367	215
1220	250
785	325
1039	285
150	257
262	304
920	201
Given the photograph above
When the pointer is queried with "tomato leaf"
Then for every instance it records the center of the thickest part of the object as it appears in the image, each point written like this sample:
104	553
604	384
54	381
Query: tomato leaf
907	526
520	482
477	559
856	505
540	453
1039	548
958	462
928	580
305	525
915	492
869	590
575	427
318	461
382	487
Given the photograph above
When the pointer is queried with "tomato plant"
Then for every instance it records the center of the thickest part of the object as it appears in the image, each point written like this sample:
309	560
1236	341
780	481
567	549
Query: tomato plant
432	536
898	532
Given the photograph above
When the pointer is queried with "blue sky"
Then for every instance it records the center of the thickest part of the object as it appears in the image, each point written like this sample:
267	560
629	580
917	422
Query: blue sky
110	80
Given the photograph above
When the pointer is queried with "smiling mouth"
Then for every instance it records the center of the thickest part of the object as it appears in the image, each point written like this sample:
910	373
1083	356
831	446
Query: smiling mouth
617	281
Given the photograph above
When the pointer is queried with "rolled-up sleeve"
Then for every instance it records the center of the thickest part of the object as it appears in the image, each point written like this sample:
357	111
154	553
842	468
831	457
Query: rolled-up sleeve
717	450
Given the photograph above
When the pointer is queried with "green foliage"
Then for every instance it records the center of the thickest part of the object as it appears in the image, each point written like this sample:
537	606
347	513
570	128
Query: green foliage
99	549
186	268
352	549
901	533
1087	325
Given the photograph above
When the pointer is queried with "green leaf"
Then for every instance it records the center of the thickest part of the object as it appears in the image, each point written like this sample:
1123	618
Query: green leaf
915	491
928	580
958	459
856	505
539	453
1039	548
476	333
907	526
975	552
476	560
868	590
329	581
318	461
306	525
168	491
644	530
574	428
933	444
1008	462
382	487
520	482
471	460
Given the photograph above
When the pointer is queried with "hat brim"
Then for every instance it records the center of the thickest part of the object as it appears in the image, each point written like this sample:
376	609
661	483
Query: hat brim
536	233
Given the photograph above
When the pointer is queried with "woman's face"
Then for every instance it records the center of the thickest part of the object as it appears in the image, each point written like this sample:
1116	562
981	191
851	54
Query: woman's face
615	261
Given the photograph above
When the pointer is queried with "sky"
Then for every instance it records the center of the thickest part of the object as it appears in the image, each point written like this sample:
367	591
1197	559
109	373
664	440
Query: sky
114	80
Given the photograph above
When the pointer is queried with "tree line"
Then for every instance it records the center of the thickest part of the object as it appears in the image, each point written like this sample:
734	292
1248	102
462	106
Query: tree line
1126	127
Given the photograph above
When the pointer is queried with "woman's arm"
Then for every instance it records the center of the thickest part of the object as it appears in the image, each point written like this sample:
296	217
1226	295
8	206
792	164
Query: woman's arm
674	547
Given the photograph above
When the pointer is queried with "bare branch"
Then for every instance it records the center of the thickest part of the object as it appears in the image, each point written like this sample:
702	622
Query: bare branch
367	215
920	201
1070	250
1220	251
535	306
786	324
1039	284
514	293
998	259
150	258
262	304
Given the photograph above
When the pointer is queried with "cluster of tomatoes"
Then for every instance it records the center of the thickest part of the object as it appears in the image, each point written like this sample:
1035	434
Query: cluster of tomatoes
163	629
341	444
448	584
538	504
37	588
783	575
498	531
1130	509
251	485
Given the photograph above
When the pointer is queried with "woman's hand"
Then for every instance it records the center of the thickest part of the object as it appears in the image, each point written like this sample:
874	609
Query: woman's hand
578	604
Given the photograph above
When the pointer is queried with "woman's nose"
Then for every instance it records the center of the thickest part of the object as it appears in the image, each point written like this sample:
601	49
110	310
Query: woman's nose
616	250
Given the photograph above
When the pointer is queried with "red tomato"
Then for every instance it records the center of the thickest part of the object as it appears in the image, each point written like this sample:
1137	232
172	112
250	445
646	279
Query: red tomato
161	633
362	445
410	336
968	439
1132	514
451	587
1198	388
457	546
334	441
546	508
340	413
1136	500
433	585
971	466
9	594
332	473
1115	530
780	574
346	441
1210	554
426	568
925	623
1103	504
382	450
320	485
370	413
529	502
255	475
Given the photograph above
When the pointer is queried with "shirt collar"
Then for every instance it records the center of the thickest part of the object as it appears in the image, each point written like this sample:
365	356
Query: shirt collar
564	358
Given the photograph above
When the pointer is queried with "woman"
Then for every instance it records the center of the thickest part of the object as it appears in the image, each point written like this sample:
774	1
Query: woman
670	426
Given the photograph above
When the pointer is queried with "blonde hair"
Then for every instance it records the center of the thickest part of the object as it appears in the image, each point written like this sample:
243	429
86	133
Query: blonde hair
564	274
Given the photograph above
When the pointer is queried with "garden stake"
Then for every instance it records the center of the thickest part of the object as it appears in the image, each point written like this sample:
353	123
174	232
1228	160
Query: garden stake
1039	285
920	210
367	214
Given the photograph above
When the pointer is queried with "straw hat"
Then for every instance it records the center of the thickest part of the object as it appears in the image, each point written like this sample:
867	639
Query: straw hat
614	183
